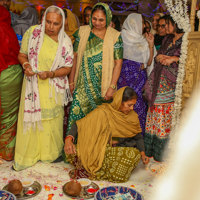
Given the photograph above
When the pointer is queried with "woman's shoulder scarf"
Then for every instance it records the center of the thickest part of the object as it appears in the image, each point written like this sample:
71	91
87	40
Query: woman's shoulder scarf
63	58
151	86
110	39
97	129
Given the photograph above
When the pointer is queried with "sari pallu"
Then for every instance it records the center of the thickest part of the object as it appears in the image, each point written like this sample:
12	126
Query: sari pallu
167	48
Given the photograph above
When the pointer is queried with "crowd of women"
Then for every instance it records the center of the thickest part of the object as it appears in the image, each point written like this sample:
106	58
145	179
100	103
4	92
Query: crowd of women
121	86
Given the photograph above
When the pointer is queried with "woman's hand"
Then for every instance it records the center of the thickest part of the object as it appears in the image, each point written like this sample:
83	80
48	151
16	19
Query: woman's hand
109	94
71	87
145	159
160	57
150	39
28	71
44	75
168	60
69	147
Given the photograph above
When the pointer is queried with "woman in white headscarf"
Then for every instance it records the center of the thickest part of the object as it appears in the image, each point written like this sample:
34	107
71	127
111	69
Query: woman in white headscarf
46	55
138	55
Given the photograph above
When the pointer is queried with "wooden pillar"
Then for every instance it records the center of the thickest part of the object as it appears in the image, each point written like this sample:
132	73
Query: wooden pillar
193	13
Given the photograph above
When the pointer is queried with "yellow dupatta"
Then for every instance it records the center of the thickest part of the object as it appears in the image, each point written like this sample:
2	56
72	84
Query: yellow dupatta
97	129
72	24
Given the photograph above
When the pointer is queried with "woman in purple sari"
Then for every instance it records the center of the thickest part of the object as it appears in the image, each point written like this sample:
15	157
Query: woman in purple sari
138	54
160	91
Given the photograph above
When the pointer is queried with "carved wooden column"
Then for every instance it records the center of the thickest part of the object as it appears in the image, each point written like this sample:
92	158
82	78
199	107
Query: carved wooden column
192	67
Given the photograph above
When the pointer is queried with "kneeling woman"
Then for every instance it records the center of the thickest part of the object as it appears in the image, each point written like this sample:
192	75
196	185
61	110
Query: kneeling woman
95	157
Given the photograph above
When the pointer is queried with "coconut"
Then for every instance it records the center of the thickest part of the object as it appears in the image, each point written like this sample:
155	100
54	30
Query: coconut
73	188
15	187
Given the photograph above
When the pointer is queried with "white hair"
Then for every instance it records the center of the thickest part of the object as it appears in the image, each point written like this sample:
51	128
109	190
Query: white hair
54	10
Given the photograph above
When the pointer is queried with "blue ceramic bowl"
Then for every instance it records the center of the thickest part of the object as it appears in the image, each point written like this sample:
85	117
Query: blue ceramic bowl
109	192
7	195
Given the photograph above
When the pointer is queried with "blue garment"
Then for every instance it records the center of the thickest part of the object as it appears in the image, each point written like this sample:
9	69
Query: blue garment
19	37
133	76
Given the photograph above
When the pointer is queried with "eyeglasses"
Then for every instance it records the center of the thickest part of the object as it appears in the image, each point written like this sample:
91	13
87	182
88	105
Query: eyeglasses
5	0
161	26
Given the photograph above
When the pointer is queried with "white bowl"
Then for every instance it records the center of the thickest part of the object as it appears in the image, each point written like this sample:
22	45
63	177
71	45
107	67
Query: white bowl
84	182
26	182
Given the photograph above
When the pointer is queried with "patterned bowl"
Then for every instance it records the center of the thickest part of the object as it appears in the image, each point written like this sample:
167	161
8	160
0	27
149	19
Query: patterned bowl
5	195
109	192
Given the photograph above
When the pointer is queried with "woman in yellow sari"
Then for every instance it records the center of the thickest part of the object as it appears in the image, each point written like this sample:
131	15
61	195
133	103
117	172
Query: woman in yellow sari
95	157
46	54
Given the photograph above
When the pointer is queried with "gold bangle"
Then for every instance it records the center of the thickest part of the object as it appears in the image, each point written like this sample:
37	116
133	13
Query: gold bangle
71	83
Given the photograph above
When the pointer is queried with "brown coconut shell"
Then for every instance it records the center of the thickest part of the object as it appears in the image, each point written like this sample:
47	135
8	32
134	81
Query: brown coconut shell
15	187
73	188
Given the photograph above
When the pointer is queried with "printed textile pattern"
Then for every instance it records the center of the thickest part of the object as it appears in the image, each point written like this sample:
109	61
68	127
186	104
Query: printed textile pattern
158	128
133	76
87	94
166	91
117	165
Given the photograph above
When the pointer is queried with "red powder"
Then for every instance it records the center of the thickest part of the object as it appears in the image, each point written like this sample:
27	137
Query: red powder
30	192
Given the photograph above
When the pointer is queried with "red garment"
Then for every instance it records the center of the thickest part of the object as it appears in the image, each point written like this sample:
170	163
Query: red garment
9	45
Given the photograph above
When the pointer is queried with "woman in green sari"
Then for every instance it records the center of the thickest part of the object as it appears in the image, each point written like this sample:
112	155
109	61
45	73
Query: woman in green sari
98	53
10	86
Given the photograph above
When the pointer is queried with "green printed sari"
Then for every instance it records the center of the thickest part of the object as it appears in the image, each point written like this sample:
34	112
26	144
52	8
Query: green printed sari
87	94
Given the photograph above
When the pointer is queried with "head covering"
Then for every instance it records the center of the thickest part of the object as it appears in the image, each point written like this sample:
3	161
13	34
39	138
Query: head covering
108	14
149	24
72	24
9	44
153	32
135	44
28	18
63	58
97	129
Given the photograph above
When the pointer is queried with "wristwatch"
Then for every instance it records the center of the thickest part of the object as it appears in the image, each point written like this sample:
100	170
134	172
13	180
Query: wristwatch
113	86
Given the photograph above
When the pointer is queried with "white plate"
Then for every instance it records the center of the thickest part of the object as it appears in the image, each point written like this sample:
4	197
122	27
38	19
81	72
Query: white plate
83	180
27	180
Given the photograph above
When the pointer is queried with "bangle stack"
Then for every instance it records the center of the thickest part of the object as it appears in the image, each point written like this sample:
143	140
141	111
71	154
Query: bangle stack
70	136
25	64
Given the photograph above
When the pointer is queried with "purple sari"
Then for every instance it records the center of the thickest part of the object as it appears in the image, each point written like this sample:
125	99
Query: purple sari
133	76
